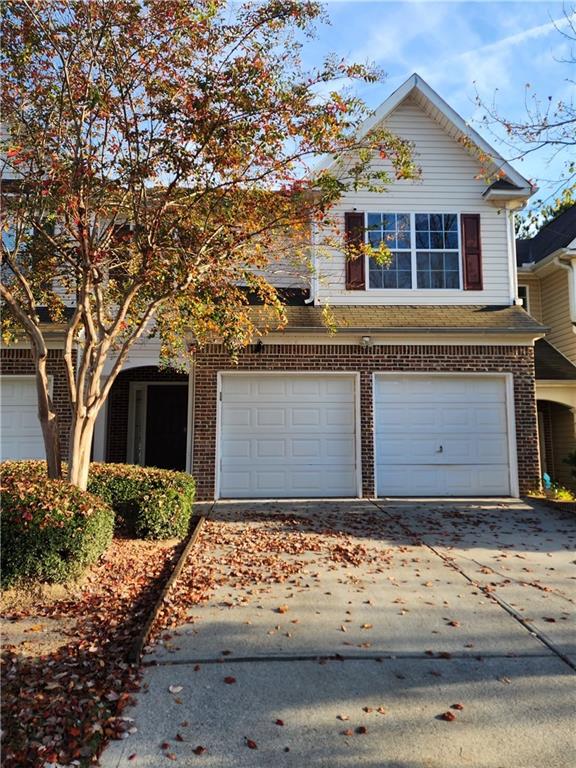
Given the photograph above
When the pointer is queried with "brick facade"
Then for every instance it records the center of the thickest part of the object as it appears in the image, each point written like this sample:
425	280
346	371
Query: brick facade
515	359
19	362
117	422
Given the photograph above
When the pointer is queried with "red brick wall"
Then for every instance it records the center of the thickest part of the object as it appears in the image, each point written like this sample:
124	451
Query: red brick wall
20	362
117	427
518	360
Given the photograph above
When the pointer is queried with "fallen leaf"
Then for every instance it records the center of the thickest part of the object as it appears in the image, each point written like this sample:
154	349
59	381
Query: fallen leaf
251	744
448	716
282	609
229	680
457	706
343	717
362	729
199	750
279	722
348	732
175	688
133	756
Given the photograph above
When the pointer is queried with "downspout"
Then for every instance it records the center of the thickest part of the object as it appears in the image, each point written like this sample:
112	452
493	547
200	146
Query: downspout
512	266
313	280
569	267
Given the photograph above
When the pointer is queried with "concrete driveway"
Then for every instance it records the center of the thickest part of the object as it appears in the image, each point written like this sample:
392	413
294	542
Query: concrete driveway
341	633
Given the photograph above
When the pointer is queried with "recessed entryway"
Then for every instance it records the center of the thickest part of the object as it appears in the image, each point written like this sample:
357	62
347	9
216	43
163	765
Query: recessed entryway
283	435
438	435
157	424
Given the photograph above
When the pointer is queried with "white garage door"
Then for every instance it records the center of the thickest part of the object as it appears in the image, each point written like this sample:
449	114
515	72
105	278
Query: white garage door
20	433
441	436
287	436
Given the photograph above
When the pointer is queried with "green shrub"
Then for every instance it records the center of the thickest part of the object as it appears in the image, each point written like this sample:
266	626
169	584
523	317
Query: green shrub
50	529
155	503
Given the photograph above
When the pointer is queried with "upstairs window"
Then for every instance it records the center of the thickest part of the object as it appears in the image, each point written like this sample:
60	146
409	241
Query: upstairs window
425	250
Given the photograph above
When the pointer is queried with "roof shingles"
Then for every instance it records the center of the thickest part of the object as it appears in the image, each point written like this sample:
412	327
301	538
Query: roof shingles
415	319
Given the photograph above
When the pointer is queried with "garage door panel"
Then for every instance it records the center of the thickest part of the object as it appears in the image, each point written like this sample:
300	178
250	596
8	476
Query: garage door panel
419	389
21	434
440	417
456	449
296	436
453	480
440	435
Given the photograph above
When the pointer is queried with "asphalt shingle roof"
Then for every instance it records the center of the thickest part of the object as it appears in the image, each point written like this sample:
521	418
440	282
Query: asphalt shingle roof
415	319
555	235
551	364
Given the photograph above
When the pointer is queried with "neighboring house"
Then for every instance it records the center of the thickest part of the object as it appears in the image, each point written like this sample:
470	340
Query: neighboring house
547	285
426	387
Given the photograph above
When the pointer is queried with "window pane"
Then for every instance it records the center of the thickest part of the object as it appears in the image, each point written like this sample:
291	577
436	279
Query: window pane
389	278
451	261
374	239
374	220
423	279
404	279
452	280
437	279
375	278
403	221
450	222
436	224
451	240
421	221
422	240
437	261
404	261
390	239
389	221
423	260
436	240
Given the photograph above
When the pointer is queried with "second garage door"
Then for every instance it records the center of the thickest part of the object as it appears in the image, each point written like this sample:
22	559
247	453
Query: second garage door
287	436
441	436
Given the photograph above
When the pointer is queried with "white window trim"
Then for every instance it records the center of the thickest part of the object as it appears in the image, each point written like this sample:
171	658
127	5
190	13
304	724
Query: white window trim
355	375
413	251
508	379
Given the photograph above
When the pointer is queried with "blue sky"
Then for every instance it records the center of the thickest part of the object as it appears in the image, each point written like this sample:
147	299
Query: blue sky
460	48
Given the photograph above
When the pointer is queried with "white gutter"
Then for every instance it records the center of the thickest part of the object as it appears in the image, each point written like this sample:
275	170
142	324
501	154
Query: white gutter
570	267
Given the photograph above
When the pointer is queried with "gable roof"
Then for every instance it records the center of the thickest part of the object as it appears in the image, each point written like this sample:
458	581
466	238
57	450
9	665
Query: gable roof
452	122
557	234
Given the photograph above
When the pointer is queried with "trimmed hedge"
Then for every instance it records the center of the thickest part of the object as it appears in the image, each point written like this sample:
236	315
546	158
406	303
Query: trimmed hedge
154	503
50	529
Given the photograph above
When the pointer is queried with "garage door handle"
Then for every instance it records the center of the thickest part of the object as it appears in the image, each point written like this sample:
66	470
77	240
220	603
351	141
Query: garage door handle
440	450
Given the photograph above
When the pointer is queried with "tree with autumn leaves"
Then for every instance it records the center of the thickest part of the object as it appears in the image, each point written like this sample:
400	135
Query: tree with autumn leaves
156	165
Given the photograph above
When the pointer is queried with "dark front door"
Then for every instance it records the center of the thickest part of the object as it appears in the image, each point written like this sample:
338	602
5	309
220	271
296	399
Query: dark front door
166	418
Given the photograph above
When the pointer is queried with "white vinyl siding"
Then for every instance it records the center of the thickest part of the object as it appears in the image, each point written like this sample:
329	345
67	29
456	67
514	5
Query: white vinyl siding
447	185
287	435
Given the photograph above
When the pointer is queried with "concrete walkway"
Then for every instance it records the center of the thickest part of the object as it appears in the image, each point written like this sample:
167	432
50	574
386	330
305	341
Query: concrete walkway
340	633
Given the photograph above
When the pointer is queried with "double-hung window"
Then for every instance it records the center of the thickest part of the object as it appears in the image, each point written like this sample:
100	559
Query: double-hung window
425	250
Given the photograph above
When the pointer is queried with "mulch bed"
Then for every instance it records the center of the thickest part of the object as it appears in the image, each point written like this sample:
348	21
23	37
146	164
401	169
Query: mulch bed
63	701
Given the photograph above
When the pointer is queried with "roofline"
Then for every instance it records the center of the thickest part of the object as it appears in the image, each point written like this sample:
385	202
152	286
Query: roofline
415	82
540	330
534	266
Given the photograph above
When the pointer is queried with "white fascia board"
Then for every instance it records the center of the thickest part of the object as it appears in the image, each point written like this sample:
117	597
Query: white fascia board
415	82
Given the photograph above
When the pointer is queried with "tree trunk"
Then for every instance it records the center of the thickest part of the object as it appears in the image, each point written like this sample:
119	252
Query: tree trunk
81	434
48	421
